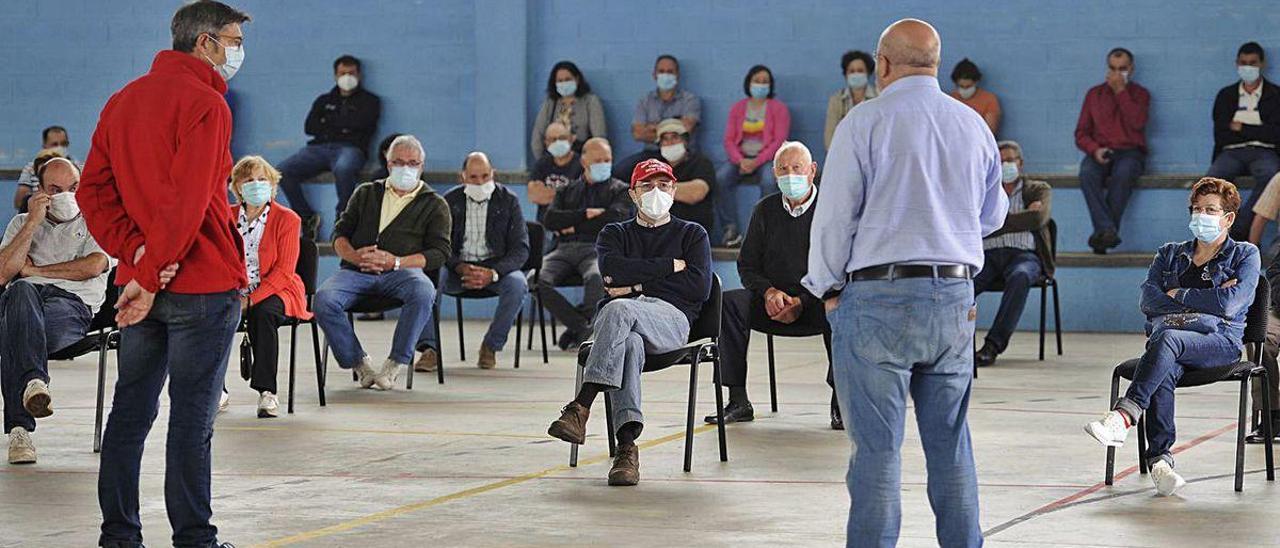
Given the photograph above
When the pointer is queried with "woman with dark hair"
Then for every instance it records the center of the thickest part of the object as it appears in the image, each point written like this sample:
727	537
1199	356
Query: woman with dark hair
966	77
858	68
757	126
1196	297
570	102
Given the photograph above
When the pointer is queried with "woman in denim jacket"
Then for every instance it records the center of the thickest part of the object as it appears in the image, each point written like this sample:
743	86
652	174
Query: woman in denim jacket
1196	296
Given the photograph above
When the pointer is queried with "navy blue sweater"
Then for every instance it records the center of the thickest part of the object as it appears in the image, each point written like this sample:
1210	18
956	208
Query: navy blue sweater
631	254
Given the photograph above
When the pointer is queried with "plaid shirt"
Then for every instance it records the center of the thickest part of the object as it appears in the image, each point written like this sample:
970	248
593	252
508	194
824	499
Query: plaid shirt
474	246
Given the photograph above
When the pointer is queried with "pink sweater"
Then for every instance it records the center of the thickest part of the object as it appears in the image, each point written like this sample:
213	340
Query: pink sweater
777	125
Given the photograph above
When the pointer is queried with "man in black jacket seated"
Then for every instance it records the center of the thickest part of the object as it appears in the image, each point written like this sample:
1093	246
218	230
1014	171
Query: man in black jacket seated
771	263
658	270
1246	131
576	216
341	123
490	244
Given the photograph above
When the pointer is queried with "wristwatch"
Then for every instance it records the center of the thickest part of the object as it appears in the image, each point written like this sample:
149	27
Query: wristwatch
495	276
397	267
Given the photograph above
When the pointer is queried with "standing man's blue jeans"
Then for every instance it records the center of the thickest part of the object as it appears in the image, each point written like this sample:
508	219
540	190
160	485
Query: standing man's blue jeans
410	286
38	320
511	291
1107	187
1169	354
727	179
1262	163
342	159
1018	269
187	339
890	339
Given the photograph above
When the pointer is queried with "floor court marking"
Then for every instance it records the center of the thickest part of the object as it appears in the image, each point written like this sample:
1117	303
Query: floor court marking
414	507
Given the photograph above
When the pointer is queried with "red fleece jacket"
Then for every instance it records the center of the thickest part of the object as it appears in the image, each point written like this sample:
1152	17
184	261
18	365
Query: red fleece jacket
157	175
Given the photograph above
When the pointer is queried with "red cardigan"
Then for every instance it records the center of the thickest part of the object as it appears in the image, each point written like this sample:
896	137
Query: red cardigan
278	261
777	125
156	174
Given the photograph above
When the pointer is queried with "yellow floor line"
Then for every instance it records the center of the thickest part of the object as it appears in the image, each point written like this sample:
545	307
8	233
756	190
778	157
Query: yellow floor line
414	507
369	431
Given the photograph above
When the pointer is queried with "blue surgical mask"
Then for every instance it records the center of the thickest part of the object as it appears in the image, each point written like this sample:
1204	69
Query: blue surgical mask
1249	74
256	193
856	80
760	91
1008	172
558	147
1206	228
567	88
793	186
600	172
666	81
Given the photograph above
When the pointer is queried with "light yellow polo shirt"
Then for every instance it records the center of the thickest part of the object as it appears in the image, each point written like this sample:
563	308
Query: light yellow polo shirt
393	204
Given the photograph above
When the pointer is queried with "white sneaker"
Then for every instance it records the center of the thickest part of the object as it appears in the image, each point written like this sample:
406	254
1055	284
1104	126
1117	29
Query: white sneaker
224	401
21	448
387	375
365	373
1165	479
268	405
36	399
1110	431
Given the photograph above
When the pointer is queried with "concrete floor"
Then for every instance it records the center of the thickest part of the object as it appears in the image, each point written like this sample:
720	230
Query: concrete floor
468	463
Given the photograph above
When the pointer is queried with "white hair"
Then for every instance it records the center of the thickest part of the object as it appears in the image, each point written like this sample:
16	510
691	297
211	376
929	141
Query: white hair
1010	144
407	141
792	145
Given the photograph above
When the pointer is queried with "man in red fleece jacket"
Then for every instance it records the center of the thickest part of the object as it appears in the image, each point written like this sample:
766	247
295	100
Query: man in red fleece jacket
154	194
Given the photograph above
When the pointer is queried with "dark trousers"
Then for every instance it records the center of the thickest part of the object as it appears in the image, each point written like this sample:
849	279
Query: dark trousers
38	320
569	259
342	159
1107	187
1018	269
264	335
186	338
1262	163
744	311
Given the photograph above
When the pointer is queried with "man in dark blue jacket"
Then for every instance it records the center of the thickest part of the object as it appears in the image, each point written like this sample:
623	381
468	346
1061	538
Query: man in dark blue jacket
490	245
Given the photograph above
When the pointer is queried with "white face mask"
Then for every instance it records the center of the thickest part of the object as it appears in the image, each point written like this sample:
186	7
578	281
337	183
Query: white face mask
348	82
655	204
62	151
673	153
967	92
235	58
404	178
63	206
480	192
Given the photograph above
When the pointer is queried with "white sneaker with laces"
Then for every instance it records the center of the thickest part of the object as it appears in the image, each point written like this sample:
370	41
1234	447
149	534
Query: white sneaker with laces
1110	431
365	373
268	406
1167	481
224	401
21	449
36	400
387	375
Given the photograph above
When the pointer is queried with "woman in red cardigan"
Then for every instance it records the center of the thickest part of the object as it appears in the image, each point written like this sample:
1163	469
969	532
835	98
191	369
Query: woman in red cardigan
271	232
757	127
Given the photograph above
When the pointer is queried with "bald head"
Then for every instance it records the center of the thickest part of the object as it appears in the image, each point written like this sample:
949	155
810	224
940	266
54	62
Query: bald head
476	169
59	175
596	150
909	47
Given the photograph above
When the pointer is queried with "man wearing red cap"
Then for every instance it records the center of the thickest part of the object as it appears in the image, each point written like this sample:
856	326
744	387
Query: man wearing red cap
657	271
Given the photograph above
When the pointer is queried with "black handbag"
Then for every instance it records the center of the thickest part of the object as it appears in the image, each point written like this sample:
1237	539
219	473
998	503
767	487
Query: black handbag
246	356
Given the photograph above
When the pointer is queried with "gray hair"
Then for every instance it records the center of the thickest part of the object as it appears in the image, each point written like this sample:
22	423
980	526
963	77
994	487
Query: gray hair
1010	144
199	18
901	51
789	146
407	140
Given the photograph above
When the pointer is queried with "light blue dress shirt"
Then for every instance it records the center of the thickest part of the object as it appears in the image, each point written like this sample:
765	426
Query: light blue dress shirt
912	176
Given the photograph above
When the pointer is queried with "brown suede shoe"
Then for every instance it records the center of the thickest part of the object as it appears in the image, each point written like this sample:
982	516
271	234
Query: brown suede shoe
626	466
488	359
426	362
572	424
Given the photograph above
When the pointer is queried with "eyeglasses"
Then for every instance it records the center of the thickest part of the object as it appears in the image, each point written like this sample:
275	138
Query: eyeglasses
405	163
1211	210
663	185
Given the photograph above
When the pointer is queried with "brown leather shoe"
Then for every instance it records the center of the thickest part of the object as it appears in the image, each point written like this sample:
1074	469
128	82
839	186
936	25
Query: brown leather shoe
626	466
572	424
427	361
488	359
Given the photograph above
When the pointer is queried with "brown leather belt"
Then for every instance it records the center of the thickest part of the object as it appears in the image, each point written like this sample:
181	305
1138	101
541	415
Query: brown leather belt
896	271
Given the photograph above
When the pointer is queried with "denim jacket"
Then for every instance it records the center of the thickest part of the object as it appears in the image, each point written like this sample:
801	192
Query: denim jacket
1217	310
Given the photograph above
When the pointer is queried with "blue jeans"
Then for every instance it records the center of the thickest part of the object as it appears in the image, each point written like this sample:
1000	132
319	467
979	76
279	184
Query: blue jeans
1169	354
626	331
727	178
1018	269
1262	163
342	159
511	291
38	320
186	338
891	338
410	286
1107	187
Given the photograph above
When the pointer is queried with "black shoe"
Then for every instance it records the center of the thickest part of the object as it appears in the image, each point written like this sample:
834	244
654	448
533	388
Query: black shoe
731	236
1095	243
837	422
1110	239
985	356
735	412
569	341
310	226
1256	437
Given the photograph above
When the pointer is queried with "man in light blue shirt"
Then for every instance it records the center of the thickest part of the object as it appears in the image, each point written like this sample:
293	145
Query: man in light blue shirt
911	185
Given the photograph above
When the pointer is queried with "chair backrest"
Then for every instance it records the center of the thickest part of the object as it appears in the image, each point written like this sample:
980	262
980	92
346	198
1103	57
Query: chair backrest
707	326
308	264
537	237
1255	321
106	316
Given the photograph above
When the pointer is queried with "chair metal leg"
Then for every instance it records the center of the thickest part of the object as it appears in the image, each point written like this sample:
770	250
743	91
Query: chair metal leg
1057	317
610	426
462	344
554	337
519	324
320	366
688	426
293	361
103	344
577	387
1142	445
1266	424
1111	451
1240	426
1044	297
542	328
435	315
773	377
724	447
533	300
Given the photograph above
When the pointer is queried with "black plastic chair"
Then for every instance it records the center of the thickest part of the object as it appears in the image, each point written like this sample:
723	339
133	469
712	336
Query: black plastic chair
703	346
788	331
1255	334
1044	283
102	336
532	267
573	280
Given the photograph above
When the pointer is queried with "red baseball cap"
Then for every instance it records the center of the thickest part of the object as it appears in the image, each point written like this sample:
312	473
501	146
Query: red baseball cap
648	168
